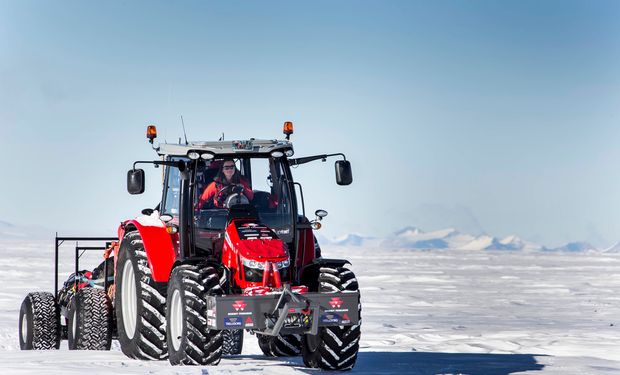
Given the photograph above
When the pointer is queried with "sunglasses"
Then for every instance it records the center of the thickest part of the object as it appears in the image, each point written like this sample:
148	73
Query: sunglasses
228	167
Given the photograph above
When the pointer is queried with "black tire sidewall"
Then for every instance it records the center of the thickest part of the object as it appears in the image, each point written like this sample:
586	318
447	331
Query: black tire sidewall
44	333
72	315
310	349
174	283
25	312
128	345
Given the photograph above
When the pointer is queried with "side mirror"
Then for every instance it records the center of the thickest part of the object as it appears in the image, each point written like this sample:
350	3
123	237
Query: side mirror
343	172
320	214
135	181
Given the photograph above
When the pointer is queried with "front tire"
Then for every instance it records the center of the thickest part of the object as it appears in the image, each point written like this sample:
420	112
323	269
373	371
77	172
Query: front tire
39	322
190	341
334	348
89	326
140	305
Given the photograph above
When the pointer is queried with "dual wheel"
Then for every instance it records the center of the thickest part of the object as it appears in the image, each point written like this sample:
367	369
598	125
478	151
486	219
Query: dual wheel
89	325
158	322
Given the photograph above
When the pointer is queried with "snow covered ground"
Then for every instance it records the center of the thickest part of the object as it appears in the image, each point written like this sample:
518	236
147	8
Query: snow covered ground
424	312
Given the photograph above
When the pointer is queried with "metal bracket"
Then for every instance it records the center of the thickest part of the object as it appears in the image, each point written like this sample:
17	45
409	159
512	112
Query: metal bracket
289	301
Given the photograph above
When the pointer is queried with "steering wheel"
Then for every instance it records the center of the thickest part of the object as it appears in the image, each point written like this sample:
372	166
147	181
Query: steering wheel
224	190
223	194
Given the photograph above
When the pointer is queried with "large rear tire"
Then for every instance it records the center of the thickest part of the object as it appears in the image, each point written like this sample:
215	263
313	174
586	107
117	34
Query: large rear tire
89	326
190	341
334	348
280	346
140	304
39	322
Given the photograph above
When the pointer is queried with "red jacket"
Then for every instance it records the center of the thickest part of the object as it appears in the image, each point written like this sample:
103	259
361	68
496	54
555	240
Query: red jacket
211	190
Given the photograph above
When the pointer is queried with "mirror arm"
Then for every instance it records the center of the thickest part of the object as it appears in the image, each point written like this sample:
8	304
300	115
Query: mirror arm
307	159
169	163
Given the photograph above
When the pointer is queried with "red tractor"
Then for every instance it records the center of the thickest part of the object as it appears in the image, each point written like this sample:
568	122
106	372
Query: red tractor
228	249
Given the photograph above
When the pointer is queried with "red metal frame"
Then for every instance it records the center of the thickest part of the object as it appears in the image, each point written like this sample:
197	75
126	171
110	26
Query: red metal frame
158	245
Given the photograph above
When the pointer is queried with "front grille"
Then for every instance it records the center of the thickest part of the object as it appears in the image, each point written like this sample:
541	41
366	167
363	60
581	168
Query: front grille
254	275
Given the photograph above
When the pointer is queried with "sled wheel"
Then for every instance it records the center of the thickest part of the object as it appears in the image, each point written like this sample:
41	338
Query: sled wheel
280	346
89	326
190	341
233	342
140	304
333	348
39	322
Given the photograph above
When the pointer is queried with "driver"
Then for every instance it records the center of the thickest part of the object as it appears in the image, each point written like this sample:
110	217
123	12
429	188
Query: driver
227	181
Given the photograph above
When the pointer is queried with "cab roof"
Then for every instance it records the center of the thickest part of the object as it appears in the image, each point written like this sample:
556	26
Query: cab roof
216	148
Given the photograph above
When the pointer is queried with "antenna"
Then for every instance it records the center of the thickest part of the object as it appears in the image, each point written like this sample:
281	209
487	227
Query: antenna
222	137
185	134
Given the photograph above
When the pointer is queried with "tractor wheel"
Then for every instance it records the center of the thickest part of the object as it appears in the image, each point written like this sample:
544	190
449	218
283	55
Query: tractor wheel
233	342
89	326
334	348
190	341
39	322
140	305
280	346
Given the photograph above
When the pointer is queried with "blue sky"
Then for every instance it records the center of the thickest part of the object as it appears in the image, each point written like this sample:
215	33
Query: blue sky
498	117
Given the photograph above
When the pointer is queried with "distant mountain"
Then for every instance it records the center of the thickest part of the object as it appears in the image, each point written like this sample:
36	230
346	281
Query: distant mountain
13	232
415	238
351	239
5	224
412	231
9	230
575	247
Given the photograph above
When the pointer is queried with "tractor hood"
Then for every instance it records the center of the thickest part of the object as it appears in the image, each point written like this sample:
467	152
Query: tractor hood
263	250
256	241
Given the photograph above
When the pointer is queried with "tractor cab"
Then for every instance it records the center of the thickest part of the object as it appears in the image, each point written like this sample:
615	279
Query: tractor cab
258	195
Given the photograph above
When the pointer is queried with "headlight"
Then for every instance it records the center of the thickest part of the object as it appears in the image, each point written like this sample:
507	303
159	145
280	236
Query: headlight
283	264
261	265
252	264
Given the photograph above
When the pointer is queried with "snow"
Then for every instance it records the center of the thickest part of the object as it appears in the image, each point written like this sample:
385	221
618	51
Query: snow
424	312
151	220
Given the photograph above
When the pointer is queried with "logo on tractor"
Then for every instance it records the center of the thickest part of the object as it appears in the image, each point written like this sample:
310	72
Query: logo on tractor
239	305
335	303
330	318
233	322
250	225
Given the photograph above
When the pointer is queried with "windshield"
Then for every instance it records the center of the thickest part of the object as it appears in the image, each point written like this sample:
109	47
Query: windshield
245	184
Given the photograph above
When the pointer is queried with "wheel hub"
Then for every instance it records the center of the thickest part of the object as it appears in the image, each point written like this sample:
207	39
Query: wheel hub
129	302
73	323
176	319
24	330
